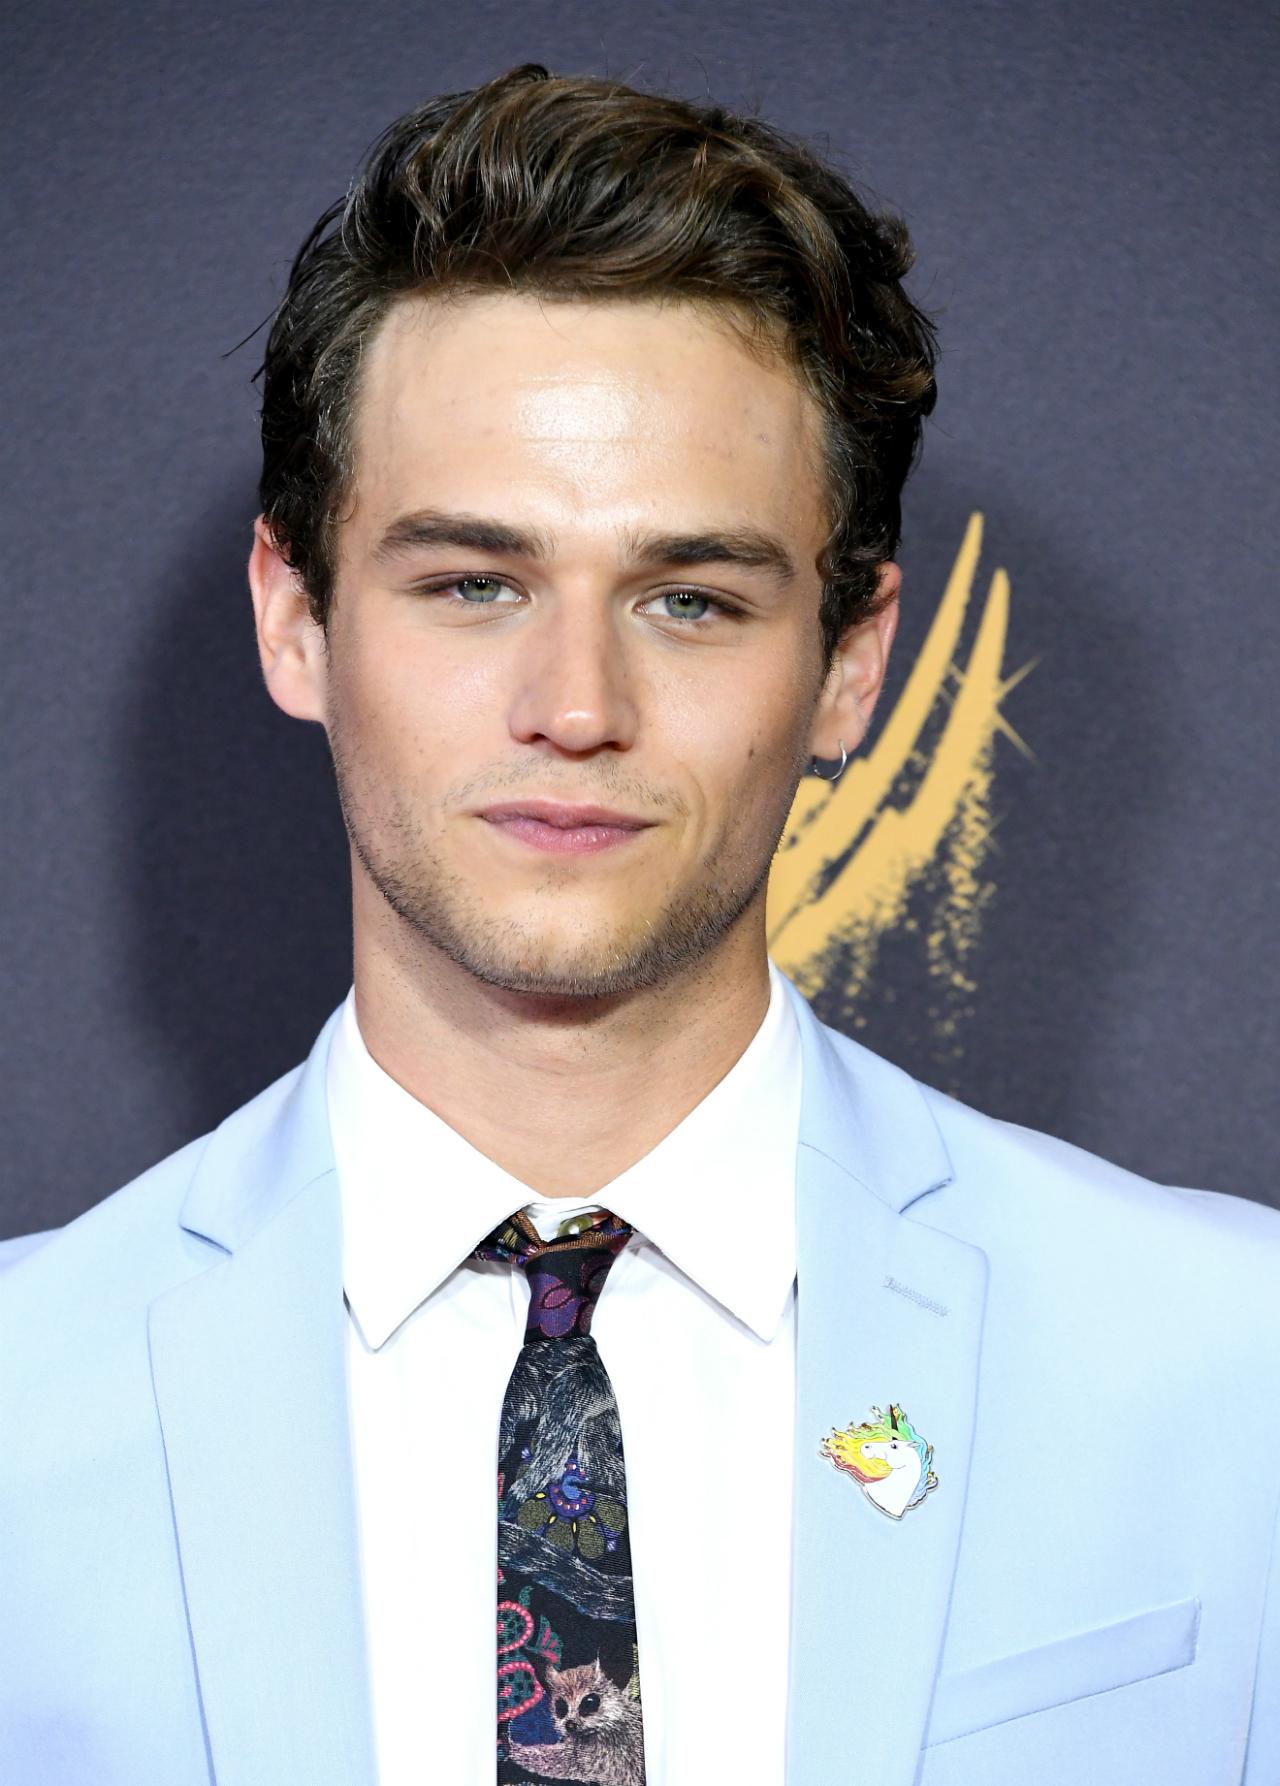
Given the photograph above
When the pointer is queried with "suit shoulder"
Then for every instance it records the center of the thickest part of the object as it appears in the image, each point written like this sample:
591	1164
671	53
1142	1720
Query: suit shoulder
1008	1161
131	1243
132	1235
17	1246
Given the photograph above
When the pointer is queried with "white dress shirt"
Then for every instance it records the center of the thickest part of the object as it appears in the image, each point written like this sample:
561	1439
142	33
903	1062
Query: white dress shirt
696	1327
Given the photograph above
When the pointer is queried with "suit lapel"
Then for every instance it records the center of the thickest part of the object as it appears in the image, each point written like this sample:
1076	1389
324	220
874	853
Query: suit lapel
249	1373
889	1310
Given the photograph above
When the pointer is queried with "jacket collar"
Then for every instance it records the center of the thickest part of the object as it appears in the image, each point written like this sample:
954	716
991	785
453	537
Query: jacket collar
249	1373
867	1116
889	1310
261	1156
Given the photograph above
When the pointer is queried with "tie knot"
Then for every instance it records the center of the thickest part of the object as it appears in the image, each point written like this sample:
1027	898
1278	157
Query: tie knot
566	1275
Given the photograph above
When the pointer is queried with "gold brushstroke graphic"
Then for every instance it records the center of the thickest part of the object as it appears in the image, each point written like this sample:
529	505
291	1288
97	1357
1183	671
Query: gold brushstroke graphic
913	816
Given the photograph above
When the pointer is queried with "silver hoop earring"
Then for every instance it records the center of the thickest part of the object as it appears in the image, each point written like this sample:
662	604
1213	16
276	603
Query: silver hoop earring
844	758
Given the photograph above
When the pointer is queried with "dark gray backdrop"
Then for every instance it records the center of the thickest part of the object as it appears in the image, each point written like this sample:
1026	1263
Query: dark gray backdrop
1088	188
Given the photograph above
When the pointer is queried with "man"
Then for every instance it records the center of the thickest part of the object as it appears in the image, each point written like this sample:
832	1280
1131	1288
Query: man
840	1432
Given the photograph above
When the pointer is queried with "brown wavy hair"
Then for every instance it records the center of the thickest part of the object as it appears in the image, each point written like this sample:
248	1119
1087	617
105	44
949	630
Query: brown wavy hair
566	186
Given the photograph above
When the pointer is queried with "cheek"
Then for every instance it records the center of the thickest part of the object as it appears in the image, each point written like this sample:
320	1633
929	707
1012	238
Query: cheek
412	706
742	724
737	744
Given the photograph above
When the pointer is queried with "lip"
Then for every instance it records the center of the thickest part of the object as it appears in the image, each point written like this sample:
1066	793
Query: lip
560	829
563	817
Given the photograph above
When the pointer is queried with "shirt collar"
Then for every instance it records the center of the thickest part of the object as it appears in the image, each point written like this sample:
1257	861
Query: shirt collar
716	1195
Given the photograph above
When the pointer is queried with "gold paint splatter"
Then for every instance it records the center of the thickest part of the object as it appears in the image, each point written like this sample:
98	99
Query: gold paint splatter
914	813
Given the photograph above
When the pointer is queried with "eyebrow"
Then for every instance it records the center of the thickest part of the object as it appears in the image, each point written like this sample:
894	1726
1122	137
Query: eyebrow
425	528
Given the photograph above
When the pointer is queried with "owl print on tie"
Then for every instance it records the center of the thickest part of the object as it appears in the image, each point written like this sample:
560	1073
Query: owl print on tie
568	1686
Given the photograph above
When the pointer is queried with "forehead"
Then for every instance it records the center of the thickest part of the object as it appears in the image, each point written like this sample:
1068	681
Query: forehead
608	413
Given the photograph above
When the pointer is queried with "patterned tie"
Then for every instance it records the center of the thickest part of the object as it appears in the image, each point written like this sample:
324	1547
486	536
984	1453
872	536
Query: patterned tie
568	1664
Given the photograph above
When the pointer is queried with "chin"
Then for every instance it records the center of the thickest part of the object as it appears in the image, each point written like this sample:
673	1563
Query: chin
550	972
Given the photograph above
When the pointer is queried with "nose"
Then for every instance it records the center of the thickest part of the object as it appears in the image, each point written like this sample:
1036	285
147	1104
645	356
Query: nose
573	686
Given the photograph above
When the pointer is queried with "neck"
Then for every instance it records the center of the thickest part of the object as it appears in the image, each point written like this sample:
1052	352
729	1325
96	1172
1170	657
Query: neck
562	1093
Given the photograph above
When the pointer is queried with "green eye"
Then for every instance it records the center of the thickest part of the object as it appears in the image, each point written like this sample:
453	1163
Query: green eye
687	599
484	588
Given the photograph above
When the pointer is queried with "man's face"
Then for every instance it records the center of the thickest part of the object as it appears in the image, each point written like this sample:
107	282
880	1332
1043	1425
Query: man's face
578	570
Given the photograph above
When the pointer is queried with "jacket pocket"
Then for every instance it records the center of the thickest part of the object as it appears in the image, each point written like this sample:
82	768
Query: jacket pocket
1094	1661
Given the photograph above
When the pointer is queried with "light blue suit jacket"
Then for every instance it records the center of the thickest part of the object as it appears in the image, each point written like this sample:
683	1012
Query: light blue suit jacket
1083	1597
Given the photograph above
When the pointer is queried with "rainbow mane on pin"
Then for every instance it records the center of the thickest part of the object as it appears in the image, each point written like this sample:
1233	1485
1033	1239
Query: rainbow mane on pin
844	1448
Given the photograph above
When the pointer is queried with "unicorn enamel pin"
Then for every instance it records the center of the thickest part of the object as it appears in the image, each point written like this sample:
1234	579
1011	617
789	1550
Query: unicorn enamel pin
887	1457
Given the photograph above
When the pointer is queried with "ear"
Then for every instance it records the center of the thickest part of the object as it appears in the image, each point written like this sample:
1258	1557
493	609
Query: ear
857	672
615	1668
291	645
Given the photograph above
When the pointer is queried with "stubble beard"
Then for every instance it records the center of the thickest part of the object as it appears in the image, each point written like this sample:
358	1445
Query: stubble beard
438	905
